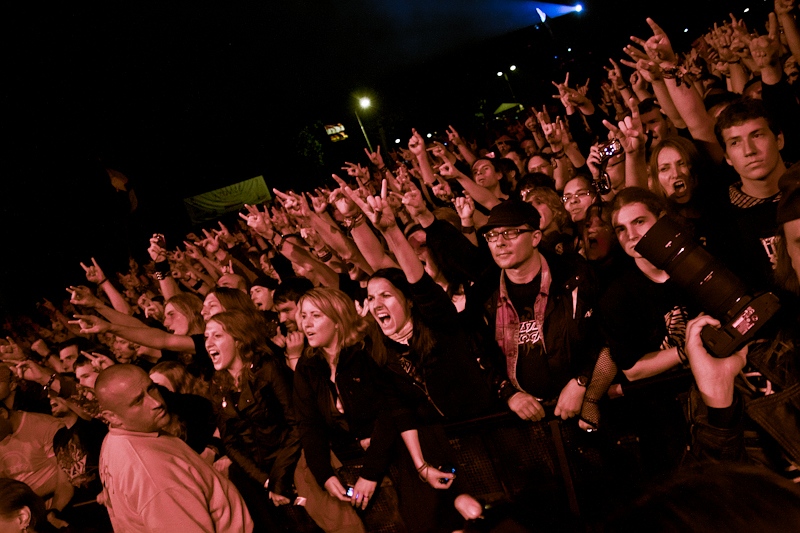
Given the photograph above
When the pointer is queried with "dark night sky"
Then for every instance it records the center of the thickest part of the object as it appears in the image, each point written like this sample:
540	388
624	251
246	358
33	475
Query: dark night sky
185	97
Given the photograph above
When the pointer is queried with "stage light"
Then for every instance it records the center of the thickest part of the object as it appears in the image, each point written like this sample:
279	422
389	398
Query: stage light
542	15
429	136
512	68
569	49
397	141
499	74
578	8
746	10
685	30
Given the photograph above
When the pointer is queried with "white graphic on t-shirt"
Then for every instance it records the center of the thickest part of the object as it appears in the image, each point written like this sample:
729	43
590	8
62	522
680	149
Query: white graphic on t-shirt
529	332
769	247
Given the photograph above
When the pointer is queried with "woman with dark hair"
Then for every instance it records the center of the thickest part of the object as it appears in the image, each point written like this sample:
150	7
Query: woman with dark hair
676	173
21	509
433	363
252	401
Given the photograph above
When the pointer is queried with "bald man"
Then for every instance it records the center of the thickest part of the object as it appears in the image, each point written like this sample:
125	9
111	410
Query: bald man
153	482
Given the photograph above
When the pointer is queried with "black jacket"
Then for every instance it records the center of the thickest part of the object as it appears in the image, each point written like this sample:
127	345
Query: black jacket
367	412
570	332
446	384
260	431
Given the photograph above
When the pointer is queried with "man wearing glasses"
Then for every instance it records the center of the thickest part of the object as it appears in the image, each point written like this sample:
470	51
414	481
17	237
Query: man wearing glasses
539	308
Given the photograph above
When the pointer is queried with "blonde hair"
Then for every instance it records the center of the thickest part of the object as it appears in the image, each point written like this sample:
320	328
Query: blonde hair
339	308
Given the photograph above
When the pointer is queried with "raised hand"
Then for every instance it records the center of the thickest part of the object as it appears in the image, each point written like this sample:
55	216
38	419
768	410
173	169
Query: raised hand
629	131
465	207
766	49
658	47
156	249
375	157
256	220
193	251
11	352
454	137
441	189
90	324
94	273
99	361
82	295
615	74
416	144
319	202
414	202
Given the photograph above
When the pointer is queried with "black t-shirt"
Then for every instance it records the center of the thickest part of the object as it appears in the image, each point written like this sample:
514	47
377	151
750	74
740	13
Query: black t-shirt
533	368
639	316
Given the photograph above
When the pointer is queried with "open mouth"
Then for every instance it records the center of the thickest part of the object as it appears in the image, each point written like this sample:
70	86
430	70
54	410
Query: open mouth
383	318
679	186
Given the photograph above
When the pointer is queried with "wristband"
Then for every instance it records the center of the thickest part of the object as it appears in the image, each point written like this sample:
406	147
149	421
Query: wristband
51	380
102	281
466	230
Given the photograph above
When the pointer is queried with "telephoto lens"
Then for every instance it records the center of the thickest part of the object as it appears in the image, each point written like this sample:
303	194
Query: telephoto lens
717	290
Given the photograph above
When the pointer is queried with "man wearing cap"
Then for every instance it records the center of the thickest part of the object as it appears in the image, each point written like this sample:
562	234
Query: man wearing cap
539	309
766	397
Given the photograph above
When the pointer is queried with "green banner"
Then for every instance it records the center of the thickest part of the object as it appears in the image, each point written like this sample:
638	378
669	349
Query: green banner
213	204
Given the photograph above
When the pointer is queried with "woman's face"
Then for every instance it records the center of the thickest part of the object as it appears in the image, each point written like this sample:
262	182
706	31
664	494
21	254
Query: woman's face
674	175
175	321
320	331
579	197
211	306
388	305
221	346
484	173
598	238
546	217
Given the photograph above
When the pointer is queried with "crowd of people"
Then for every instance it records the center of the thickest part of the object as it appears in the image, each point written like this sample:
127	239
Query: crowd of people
318	352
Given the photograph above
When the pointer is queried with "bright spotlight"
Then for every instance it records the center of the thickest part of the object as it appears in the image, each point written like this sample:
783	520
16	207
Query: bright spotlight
685	30
578	8
429	136
569	49
512	68
746	10
499	74
542	15
364	102
397	141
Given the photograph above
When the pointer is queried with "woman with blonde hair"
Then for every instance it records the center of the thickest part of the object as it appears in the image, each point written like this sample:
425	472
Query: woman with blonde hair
342	411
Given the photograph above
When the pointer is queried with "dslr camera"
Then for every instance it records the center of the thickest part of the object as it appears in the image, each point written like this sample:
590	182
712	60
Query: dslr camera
717	290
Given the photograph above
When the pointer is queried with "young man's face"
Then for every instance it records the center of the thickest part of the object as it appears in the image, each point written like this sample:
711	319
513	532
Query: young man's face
68	356
656	126
262	297
138	406
631	222
514	253
286	315
752	149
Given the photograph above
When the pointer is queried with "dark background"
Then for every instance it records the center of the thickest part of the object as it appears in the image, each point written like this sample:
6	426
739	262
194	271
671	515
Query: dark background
186	97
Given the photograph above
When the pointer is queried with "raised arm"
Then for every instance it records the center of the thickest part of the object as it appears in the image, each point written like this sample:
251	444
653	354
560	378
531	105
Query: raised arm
82	295
95	275
149	337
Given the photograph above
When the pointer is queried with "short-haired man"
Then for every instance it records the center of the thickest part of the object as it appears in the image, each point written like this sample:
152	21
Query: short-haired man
752	141
539	312
153	481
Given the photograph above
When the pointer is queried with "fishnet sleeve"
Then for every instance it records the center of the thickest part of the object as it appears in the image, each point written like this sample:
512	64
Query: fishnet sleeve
603	374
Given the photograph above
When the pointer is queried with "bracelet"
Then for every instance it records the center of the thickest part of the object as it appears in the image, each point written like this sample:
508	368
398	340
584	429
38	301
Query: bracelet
558	155
352	222
51	380
102	281
422	468
382	169
466	230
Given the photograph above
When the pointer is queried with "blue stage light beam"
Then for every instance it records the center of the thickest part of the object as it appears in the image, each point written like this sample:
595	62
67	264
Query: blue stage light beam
548	10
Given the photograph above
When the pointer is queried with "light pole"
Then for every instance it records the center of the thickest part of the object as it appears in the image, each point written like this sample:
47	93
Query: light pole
364	103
